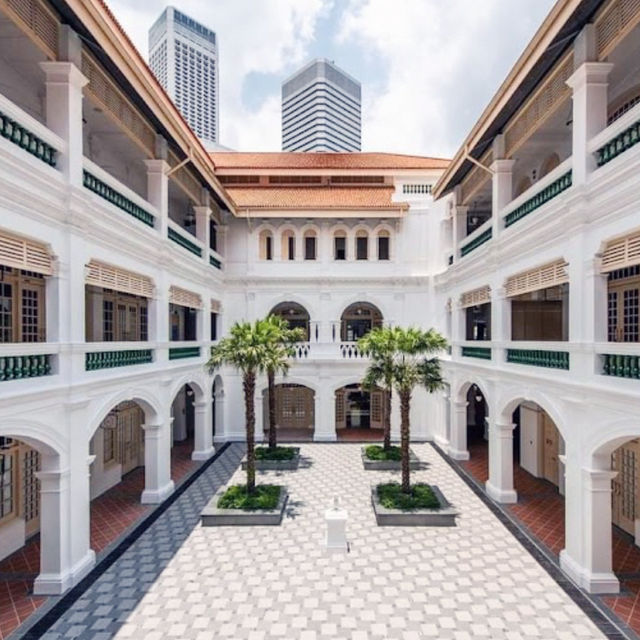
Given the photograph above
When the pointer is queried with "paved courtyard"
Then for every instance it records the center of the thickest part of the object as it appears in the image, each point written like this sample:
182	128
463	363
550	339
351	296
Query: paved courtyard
184	581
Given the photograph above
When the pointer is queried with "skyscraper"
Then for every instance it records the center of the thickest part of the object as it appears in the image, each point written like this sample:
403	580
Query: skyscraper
321	109
183	55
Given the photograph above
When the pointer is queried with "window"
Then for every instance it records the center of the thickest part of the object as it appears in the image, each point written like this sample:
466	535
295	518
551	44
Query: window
214	326
340	248
383	245
182	323
115	316
213	235
8	478
266	245
22	306
478	322
291	246
362	245
310	246
288	245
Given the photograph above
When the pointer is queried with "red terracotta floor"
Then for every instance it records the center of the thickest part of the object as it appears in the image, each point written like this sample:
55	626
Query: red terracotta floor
112	514
359	435
540	510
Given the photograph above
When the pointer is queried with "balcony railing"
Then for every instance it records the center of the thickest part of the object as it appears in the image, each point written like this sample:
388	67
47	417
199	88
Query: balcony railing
177	235
543	191
621	366
351	351
481	235
110	359
539	358
301	350
27	366
618	137
97	180
214	260
484	353
178	353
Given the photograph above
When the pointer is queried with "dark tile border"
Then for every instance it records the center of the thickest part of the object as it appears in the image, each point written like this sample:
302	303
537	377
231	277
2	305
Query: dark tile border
602	617
48	618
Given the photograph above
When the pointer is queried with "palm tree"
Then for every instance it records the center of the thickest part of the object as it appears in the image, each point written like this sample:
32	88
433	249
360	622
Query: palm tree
246	349
280	350
412	368
380	345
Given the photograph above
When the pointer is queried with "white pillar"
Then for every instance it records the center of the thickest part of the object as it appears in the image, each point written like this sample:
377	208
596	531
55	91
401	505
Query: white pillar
179	417
203	436
502	192
220	423
587	555
458	432
158	192
159	318
500	322
203	215
64	83
325	413
395	418
499	486
158	484
259	412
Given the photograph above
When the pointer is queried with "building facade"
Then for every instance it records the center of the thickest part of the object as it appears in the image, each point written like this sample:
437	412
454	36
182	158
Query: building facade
183	55
321	109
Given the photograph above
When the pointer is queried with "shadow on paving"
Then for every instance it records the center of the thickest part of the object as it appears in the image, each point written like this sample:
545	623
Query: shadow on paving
100	604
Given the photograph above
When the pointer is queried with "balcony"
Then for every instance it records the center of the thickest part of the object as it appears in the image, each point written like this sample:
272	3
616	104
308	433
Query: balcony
476	239
180	353
483	353
618	137
215	259
183	238
117	355
547	358
22	360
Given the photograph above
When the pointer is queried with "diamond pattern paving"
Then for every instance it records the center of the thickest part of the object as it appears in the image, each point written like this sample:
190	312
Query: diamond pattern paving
180	580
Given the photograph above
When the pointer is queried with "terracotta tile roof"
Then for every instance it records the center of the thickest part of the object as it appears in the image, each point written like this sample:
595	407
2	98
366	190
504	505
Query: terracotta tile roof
299	160
314	197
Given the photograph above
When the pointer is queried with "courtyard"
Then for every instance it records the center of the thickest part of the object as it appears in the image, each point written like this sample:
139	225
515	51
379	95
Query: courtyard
181	580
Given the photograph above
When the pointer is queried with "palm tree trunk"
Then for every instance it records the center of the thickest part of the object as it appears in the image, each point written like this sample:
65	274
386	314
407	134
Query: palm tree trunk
249	384
272	409
387	419
405	402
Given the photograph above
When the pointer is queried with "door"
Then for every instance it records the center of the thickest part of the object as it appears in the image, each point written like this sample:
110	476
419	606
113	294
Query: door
31	490
377	409
624	311
294	407
341	421
550	450
131	438
623	487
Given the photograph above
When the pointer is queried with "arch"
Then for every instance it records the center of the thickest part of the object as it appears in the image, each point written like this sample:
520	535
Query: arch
340	250
361	249
288	243
195	384
358	319
463	390
549	164
510	402
267	307
289	379
380	232
295	315
37	435
607	439
266	244
310	249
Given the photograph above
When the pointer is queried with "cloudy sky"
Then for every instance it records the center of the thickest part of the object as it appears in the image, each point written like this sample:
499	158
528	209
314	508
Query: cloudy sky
427	67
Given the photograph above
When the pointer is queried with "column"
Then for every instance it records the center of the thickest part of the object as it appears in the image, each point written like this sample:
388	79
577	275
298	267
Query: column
203	215
500	322
395	418
259	412
499	486
220	427
325	413
203	433
590	87
158	484
158	316
64	83
587	556
501	184
158	192
458	432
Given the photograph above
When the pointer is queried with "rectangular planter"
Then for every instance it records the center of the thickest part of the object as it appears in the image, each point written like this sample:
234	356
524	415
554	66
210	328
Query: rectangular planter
212	516
443	517
276	465
388	465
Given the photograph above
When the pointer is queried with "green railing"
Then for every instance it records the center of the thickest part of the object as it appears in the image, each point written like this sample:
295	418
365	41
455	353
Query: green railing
477	352
26	140
18	367
539	358
176	353
543	196
110	359
621	143
621	366
485	236
214	262
111	195
185	243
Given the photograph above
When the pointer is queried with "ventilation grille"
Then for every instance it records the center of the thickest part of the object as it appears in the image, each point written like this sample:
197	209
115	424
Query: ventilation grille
616	19
543	277
103	91
23	254
108	277
215	306
37	21
184	298
481	295
621	253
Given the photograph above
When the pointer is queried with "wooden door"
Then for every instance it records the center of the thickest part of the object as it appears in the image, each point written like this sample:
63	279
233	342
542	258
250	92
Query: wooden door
131	438
377	409
551	441
294	407
624	486
341	414
30	460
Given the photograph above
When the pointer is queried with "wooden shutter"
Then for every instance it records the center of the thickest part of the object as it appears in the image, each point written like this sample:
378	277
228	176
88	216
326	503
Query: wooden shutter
621	253
20	253
109	277
549	275
37	21
215	306
481	295
184	298
615	20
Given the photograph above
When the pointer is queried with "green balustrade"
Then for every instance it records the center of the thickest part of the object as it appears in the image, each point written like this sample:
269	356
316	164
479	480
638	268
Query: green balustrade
483	353
619	144
114	197
542	197
539	358
19	367
621	366
177	353
485	236
185	243
214	262
23	138
110	359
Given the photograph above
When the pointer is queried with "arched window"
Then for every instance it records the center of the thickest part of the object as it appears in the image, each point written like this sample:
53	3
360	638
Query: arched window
550	163
266	245
384	245
295	315
310	245
288	245
362	245
340	245
358	319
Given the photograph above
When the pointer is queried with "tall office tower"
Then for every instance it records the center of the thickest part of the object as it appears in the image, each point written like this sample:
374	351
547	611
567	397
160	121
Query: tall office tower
321	109
183	55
